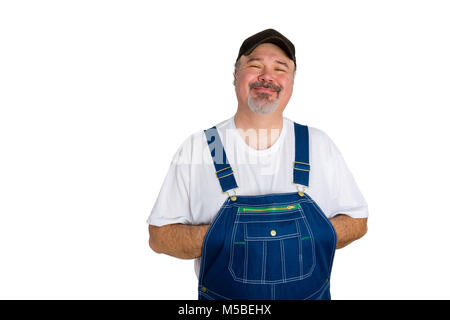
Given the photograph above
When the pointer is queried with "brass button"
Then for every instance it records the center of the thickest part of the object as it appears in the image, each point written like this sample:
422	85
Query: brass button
204	289
273	233
301	194
233	198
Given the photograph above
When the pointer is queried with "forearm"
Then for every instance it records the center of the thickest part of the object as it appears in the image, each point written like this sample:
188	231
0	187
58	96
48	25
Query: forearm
178	240
348	229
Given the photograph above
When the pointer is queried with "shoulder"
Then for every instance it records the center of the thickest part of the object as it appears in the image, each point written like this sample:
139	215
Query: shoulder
194	145
188	148
322	146
318	135
199	137
320	141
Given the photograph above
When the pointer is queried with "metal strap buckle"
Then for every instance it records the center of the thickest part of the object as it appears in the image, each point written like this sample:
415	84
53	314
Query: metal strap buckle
226	174
301	193
232	197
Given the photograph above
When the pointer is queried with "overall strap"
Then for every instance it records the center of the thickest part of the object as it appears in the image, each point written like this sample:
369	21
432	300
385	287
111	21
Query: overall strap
224	172
301	163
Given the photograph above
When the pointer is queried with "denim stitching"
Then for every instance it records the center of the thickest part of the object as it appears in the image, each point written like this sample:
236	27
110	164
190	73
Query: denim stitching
206	296
283	264
300	249
323	291
263	275
286	216
245	255
313	241
230	265
273	238
322	287
258	221
215	293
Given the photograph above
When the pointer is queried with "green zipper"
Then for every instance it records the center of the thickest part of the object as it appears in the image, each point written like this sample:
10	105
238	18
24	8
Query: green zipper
268	209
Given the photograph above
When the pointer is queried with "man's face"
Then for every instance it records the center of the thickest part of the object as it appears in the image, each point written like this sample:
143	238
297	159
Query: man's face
265	79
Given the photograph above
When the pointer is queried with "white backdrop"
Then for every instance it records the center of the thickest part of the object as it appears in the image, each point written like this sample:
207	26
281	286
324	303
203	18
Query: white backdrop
96	97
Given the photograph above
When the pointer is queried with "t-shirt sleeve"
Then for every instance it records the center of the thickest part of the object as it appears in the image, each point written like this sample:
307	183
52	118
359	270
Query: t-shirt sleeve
172	205
346	198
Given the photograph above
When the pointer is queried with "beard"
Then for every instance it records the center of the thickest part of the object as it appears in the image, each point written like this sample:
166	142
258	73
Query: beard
263	103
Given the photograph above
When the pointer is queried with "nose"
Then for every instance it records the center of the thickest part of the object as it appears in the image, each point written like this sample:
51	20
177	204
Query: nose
266	76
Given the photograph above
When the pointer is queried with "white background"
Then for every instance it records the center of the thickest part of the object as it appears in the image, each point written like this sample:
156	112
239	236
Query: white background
96	97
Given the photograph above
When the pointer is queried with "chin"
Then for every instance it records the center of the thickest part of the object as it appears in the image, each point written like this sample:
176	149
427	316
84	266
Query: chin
263	108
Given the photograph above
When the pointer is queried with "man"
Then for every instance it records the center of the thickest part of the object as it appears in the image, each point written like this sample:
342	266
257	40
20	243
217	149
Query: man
260	202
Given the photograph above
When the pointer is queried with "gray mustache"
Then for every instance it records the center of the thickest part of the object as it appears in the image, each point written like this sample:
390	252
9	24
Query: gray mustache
265	85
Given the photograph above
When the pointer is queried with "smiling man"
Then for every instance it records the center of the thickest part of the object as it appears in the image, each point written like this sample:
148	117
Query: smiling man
259	201
263	74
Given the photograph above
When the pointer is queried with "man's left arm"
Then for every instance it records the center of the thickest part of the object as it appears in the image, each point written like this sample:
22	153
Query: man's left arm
348	229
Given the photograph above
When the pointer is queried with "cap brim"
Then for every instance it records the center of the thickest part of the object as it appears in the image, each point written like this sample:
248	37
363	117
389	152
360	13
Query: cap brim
276	41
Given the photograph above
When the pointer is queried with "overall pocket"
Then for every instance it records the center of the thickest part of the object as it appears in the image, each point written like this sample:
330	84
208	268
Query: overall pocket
271	245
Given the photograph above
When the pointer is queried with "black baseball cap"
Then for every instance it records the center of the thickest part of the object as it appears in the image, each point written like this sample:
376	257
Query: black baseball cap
267	36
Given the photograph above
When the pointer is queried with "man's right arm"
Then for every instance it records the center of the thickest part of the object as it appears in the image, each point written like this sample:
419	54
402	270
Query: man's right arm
178	240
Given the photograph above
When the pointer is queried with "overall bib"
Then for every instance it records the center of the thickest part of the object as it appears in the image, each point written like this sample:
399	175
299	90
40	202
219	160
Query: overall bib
274	246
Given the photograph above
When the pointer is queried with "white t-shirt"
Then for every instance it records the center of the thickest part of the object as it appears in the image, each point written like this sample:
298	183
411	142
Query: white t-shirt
191	192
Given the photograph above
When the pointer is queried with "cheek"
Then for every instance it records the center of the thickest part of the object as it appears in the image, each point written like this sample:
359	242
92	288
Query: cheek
289	89
288	86
242	82
247	77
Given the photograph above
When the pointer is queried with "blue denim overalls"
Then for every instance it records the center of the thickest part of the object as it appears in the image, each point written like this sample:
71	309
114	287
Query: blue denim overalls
274	246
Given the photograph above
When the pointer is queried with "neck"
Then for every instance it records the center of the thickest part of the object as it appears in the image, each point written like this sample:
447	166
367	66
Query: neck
259	131
247	119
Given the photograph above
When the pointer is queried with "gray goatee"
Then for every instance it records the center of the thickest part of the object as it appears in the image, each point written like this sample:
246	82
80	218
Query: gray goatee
263	103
